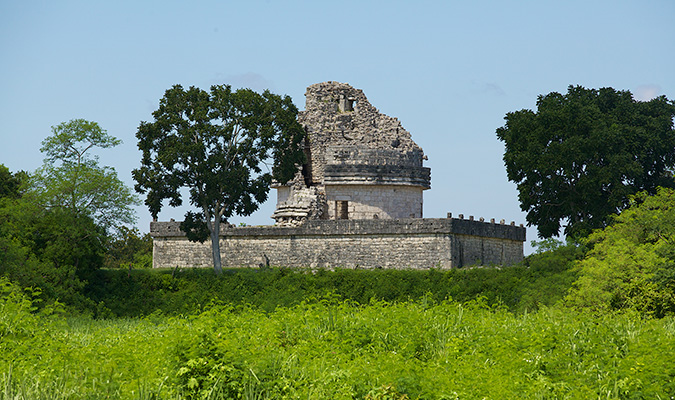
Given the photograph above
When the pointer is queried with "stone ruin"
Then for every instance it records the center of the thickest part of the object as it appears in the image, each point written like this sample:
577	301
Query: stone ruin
356	203
361	164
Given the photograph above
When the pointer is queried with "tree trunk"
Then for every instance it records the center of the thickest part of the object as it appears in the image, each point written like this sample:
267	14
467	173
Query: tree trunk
215	247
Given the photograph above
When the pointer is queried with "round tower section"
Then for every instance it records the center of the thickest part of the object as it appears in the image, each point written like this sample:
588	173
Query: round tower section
363	164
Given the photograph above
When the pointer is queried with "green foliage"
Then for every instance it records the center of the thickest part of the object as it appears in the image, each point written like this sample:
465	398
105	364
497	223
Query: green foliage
580	156
129	249
43	357
631	264
54	223
16	318
215	144
10	184
63	239
21	325
71	140
543	279
72	180
330	349
46	250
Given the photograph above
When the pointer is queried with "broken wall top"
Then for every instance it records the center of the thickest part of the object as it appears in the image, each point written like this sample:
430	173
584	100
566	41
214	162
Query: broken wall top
340	121
344	116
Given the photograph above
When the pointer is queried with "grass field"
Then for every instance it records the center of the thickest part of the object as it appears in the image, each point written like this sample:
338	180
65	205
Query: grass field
329	347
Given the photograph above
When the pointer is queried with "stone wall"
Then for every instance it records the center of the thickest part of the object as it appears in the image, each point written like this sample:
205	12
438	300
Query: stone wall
377	201
337	114
355	154
400	243
353	165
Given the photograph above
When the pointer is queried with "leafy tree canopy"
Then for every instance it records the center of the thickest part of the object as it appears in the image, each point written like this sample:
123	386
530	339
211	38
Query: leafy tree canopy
70	142
47	249
72	179
578	159
216	144
10	184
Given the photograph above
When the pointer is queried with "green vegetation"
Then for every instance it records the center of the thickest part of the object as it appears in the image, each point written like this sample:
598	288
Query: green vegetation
129	249
72	181
631	264
332	349
589	318
269	333
55	223
141	292
217	145
353	334
581	155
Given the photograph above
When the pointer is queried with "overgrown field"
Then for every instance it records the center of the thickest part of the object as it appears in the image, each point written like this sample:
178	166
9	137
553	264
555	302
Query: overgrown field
328	348
275	333
543	280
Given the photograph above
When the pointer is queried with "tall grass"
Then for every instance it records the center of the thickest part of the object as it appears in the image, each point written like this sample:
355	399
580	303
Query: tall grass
328	348
483	333
521	288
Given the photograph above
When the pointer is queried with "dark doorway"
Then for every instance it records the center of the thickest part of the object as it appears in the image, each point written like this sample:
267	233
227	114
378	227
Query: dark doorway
342	209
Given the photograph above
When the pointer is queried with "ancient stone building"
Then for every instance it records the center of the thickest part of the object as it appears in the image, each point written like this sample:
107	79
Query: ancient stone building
395	243
361	164
356	203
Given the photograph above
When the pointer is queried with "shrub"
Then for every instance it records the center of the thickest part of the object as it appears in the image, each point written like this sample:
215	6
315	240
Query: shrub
631	264
129	249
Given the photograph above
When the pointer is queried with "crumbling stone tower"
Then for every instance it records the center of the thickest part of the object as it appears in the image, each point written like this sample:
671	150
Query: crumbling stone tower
365	173
361	164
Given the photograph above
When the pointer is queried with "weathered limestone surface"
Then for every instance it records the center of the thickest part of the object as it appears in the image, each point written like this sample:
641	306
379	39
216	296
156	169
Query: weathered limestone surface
352	165
354	154
376	202
401	243
298	203
338	115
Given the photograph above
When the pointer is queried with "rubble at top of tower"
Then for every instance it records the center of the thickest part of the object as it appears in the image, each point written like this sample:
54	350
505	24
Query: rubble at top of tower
360	163
344	116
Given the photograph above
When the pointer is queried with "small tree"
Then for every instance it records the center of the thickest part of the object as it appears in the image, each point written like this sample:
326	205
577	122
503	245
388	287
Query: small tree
215	144
581	155
79	200
72	179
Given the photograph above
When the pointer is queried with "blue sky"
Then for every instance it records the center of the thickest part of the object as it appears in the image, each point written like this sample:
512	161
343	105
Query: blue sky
448	70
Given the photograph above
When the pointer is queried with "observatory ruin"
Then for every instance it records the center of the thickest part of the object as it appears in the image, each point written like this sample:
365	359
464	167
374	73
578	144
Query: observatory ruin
361	164
356	202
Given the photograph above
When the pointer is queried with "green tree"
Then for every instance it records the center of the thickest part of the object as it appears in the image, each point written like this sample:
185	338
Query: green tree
43	248
129	247
10	184
72	179
215	144
78	200
631	264
581	155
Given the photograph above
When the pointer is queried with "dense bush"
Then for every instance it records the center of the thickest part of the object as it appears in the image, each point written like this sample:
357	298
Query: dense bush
128	248
332	349
46	248
631	264
29	258
542	280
